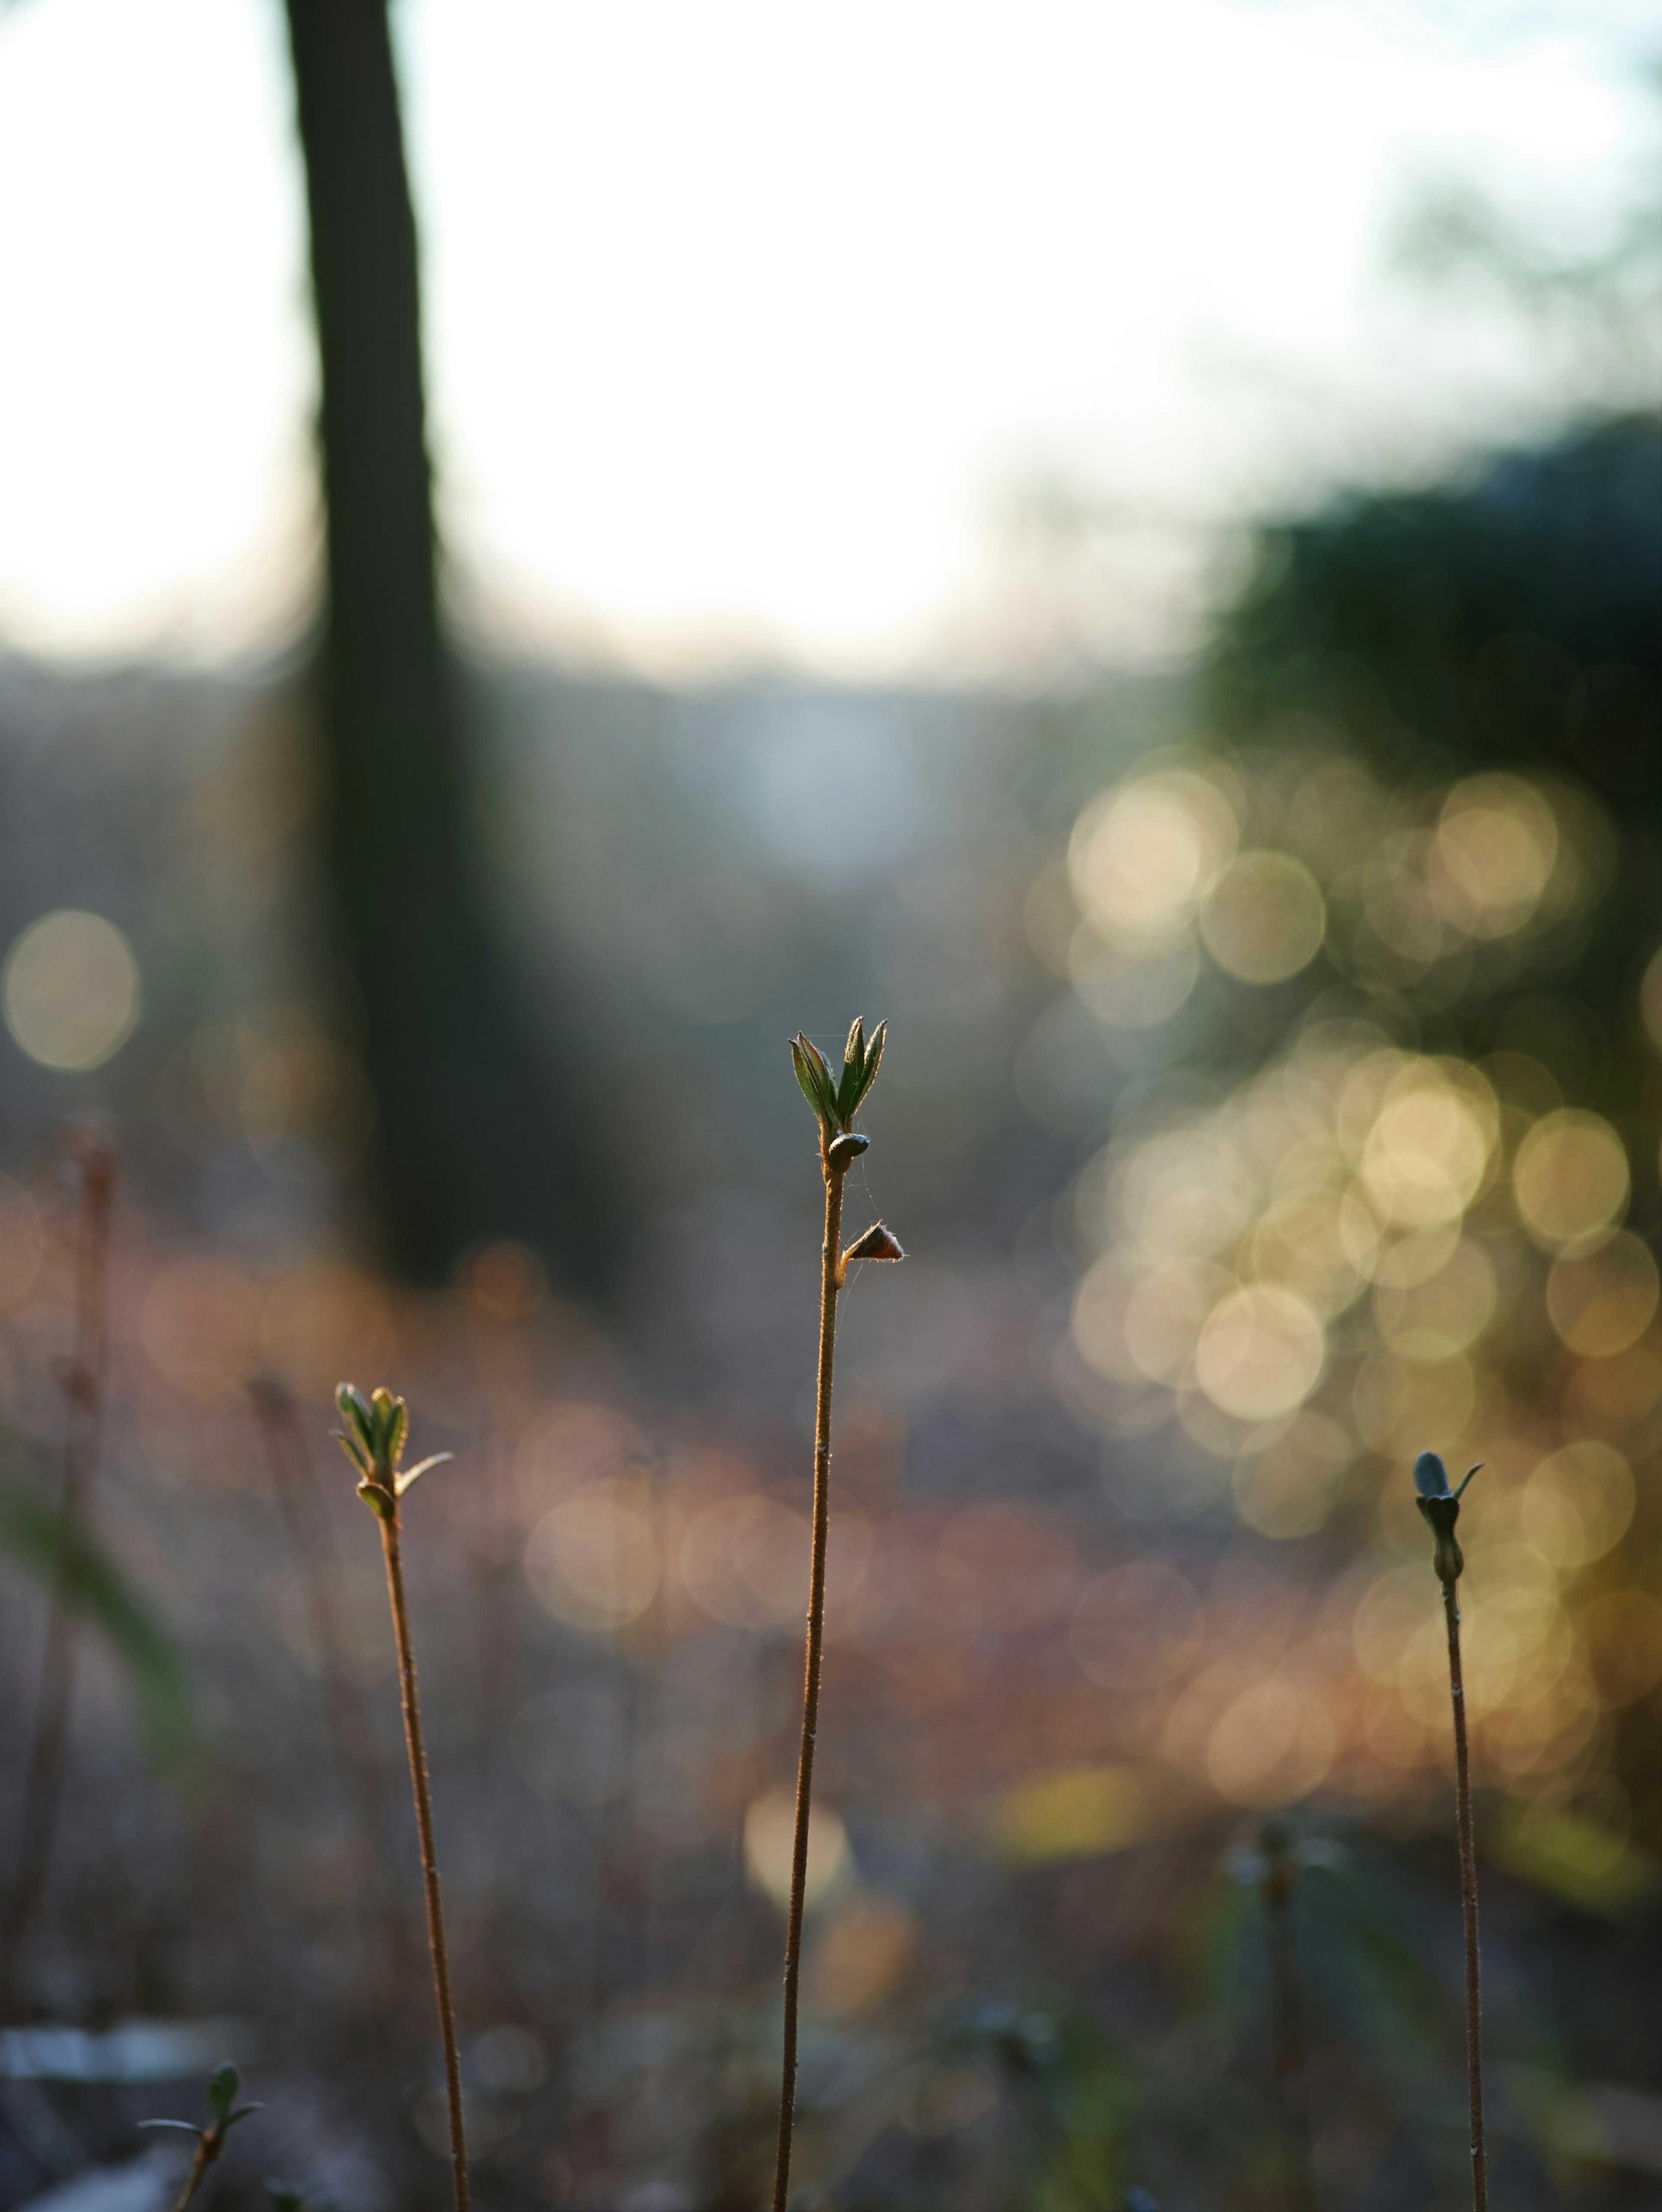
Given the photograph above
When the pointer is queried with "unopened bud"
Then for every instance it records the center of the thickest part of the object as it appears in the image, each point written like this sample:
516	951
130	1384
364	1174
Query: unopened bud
1440	1509
877	1243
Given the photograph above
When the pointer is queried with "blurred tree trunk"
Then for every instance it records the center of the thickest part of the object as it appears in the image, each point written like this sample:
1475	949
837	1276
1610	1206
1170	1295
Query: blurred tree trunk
471	1141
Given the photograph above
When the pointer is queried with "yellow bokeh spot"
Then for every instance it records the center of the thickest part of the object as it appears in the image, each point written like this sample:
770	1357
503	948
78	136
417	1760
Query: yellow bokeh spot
1593	1866
1577	1504
1493	854
1437	1317
1603	1302
1316	1245
70	990
1260	1352
1072	1813
1275	1744
593	1560
1166	1312
1392	1612
744	1561
770	1841
1144	855
1571	1179
1265	919
1427	1153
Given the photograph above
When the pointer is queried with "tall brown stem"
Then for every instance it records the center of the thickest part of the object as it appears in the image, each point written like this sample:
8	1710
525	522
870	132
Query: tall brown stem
1468	1902
83	1386
830	1282
430	1861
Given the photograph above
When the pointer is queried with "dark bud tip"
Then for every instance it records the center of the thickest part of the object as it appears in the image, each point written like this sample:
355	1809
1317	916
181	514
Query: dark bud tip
843	1150
877	1243
1430	1476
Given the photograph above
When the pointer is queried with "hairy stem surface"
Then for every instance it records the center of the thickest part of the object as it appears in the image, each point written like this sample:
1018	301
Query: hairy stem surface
830	1284
83	1386
1468	1903
430	1861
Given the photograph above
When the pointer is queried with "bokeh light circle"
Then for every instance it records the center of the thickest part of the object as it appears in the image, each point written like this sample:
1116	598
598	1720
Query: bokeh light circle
1427	1153
594	1561
1265	918
1578	1502
70	990
1494	854
1603	1301
1144	853
1260	1352
1275	1744
1571	1179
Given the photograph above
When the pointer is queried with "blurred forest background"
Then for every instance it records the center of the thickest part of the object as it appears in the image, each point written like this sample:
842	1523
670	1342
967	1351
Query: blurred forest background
1272	1092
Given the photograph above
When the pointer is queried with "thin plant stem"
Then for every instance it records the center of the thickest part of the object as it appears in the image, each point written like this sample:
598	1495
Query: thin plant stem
345	1714
83	1384
430	1861
830	1282
1468	1902
1286	2024
208	2145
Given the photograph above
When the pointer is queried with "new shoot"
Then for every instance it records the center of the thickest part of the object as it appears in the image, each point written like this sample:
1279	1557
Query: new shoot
223	2113
374	1440
1440	1506
835	1099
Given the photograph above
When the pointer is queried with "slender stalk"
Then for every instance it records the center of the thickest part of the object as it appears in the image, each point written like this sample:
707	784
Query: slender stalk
209	2144
345	1715
430	1861
1468	1903
1440	1509
1292	2094
223	2114
830	1282
83	1384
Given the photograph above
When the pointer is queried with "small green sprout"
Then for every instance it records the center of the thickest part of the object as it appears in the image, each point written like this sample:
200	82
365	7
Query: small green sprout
836	1099
223	2113
374	1440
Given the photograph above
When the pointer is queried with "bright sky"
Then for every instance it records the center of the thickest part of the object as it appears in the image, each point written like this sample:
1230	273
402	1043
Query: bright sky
749	318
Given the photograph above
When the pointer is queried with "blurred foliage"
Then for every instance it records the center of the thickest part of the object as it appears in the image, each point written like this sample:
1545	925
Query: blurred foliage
1509	624
31	1536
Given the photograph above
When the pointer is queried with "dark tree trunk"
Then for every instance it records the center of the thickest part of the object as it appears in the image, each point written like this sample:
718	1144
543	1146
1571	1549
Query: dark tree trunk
471	1141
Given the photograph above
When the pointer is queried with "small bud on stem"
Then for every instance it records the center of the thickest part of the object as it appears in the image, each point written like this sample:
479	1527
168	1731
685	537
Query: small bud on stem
1440	1508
